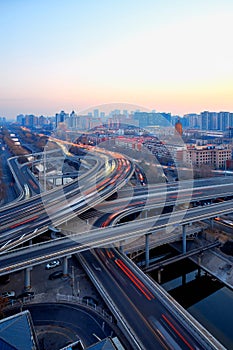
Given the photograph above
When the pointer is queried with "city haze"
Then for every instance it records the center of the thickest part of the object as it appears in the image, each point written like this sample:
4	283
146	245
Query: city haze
171	56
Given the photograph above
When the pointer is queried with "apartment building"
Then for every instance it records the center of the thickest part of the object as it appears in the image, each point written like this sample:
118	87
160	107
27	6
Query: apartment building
215	156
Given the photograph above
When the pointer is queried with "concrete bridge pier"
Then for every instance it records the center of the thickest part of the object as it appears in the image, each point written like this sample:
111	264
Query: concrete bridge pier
212	223
147	250
199	263
27	278
160	275
199	258
65	265
121	246
184	239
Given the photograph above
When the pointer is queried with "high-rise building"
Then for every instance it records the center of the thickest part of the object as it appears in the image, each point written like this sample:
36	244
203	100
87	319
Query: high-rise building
72	121
224	120
2	120
193	120
213	121
60	118
20	119
147	119
42	121
205	120
216	121
31	120
96	113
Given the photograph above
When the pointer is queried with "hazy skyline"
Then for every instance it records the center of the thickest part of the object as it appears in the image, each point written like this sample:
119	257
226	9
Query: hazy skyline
171	56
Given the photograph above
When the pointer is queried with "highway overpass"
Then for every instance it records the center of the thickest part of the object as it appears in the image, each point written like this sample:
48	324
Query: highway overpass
23	220
36	254
168	326
147	315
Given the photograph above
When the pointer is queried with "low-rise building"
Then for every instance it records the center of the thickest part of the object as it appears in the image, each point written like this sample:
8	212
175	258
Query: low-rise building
215	156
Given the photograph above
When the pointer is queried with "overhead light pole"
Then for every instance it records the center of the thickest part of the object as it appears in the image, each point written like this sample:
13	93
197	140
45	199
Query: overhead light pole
45	160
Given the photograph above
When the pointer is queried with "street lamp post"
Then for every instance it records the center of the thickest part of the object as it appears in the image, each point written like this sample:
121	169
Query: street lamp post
45	188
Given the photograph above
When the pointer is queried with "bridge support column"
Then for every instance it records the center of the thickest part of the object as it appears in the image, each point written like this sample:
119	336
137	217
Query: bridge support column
199	264
159	275
184	239
146	214
121	247
147	250
211	223
27	278
199	259
65	266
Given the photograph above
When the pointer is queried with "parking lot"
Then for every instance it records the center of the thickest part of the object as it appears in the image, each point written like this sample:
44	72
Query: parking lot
76	283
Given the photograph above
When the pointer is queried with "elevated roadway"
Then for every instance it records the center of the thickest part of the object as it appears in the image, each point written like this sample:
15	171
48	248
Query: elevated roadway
179	257
149	317
33	255
161	196
17	221
142	200
32	217
166	327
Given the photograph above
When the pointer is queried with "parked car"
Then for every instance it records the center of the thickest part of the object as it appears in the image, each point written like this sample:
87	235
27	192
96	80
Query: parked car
26	295
10	294
53	264
55	275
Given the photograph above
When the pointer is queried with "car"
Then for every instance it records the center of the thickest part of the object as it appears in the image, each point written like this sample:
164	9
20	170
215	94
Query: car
55	275
10	294
53	264
26	295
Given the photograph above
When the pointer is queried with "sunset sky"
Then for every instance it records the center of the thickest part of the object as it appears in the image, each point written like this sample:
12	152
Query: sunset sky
169	55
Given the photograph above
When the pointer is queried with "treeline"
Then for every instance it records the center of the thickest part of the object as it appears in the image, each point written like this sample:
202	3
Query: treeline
14	148
37	140
2	184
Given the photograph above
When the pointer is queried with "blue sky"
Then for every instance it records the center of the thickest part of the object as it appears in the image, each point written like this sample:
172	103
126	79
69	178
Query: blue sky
173	56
